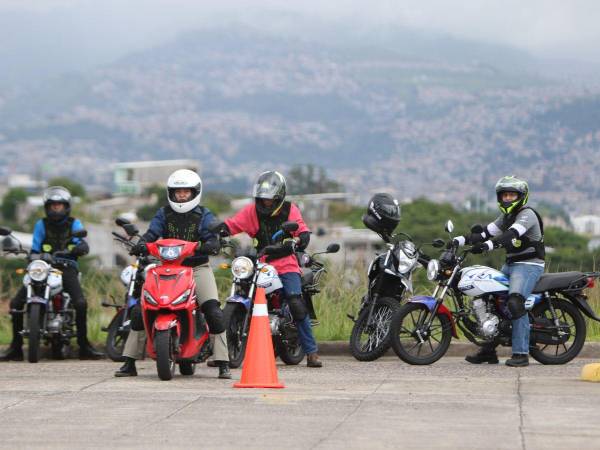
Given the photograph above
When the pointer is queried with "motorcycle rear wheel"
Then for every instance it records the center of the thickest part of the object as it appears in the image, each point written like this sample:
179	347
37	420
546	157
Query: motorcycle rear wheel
115	339
409	320
36	316
290	354
569	317
377	334
165	357
187	368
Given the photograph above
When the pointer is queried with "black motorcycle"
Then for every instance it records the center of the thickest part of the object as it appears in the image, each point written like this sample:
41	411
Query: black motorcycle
389	278
49	315
132	278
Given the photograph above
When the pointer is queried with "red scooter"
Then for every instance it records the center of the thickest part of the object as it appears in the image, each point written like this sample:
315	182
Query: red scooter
175	327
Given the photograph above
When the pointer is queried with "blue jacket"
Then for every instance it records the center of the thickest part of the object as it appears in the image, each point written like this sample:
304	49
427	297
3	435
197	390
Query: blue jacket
39	235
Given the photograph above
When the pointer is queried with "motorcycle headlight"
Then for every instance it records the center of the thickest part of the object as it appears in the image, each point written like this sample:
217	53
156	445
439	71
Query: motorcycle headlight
182	298
242	267
432	269
38	270
405	263
149	298
170	253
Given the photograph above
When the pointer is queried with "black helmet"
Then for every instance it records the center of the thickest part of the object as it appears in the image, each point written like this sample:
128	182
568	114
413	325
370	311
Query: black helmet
269	186
57	194
383	214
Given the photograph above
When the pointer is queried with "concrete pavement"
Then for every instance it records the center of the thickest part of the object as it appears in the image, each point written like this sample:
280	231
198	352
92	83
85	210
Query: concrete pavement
347	404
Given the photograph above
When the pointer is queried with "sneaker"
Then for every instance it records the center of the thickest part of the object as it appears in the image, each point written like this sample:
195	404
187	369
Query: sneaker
312	360
518	360
224	371
484	355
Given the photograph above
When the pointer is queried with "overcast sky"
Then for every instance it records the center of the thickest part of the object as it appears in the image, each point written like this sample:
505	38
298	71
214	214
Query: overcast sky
106	29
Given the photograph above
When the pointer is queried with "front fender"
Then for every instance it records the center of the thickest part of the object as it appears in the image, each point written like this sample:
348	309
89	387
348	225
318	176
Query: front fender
430	303
166	322
246	302
36	299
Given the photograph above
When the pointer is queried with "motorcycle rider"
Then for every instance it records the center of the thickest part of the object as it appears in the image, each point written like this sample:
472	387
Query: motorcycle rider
52	234
519	230
260	220
183	218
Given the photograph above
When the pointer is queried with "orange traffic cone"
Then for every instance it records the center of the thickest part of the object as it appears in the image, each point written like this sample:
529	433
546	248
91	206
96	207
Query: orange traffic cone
259	369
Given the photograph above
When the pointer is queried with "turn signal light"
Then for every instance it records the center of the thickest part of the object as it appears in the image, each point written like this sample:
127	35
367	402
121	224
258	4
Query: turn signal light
20	271
224	266
591	282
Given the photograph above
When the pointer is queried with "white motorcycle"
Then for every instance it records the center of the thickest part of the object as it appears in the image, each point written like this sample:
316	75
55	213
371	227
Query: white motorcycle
49	316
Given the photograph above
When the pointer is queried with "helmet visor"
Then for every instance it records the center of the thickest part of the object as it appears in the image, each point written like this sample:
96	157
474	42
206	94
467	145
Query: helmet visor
57	194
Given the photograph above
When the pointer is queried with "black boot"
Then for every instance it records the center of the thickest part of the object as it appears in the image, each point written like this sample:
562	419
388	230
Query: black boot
86	351
518	360
128	369
224	371
484	355
15	351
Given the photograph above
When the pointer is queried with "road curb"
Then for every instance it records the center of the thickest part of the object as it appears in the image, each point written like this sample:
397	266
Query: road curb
342	348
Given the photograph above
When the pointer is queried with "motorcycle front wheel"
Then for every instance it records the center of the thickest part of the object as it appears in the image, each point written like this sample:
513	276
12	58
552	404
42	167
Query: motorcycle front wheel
412	341
234	315
552	344
370	341
115	339
165	356
36	317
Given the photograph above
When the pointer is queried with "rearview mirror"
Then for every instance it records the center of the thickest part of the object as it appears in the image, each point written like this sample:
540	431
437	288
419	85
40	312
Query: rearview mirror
449	226
79	233
333	248
438	243
4	231
10	244
130	229
120	221
290	226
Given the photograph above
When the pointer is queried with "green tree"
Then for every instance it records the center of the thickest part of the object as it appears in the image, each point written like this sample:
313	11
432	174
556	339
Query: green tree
11	201
76	189
310	179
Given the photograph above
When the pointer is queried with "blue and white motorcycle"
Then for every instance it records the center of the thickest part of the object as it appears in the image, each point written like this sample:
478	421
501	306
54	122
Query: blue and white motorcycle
422	328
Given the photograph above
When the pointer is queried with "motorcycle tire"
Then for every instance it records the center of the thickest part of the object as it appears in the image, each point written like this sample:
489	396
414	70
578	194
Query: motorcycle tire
36	316
401	322
165	357
57	348
563	308
187	368
370	351
291	355
115	339
234	315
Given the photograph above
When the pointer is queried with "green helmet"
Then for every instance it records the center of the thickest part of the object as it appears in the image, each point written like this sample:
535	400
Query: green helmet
512	184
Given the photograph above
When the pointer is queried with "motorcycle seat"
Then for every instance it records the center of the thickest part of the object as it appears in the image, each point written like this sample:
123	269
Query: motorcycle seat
307	276
561	280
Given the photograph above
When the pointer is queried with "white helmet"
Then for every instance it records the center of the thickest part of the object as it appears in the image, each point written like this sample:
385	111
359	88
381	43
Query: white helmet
184	179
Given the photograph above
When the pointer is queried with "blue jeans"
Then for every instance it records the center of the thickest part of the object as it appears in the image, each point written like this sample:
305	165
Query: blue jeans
292	285
523	278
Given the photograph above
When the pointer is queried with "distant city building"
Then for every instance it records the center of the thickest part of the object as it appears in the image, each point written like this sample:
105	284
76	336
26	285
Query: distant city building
589	224
132	178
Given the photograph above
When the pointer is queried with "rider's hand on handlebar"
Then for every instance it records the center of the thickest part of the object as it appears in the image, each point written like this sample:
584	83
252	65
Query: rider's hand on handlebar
139	249
480	248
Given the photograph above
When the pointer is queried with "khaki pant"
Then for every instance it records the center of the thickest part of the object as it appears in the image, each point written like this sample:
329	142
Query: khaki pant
206	289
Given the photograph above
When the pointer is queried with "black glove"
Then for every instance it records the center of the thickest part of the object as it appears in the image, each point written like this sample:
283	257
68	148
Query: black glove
479	248
475	238
219	228
286	248
139	249
80	249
